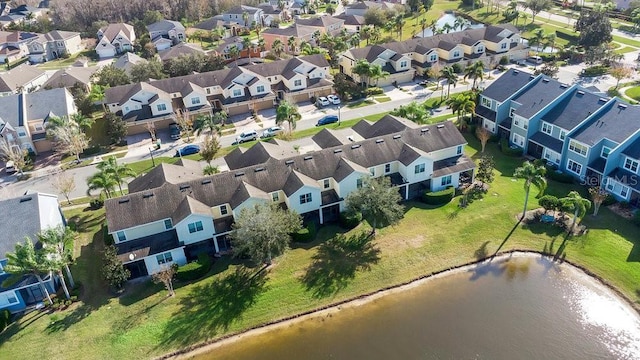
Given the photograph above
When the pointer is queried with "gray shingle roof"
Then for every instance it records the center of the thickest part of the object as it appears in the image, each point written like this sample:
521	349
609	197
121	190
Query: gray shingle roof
537	96
507	85
547	141
616	121
181	49
164	25
18	77
574	109
70	76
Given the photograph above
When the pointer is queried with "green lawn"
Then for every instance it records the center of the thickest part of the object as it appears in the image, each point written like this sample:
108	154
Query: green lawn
633	93
360	103
143	323
382	99
64	63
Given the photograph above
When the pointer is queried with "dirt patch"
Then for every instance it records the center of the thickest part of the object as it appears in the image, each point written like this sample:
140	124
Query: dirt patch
624	211
559	219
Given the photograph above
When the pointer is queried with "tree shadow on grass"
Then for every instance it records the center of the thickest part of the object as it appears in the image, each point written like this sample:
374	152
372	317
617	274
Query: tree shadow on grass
213	307
481	252
337	262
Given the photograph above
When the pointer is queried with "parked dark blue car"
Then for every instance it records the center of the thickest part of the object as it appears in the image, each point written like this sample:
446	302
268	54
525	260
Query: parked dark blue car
329	119
188	150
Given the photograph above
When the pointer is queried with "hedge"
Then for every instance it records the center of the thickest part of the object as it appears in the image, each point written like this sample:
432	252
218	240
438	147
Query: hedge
561	177
194	270
439	197
507	150
306	234
566	36
373	91
596	70
349	220
5	317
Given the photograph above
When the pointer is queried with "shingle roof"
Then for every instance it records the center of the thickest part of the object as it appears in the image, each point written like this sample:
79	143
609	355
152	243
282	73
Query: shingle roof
164	173
507	85
127	61
616	121
353	20
68	77
320	21
296	30
164	25
241	9
536	97
574	109
547	141
179	50
112	30
18	77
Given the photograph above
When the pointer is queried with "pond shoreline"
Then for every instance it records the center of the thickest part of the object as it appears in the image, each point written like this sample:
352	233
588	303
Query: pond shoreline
328	310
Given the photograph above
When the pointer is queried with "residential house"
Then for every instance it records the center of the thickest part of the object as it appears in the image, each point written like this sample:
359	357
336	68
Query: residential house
20	14
324	24
254	16
296	31
26	216
172	213
360	7
71	77
166	33
53	45
236	90
271	12
353	23
13	45
404	59
224	49
126	62
26	115
231	28
115	39
182	49
22	78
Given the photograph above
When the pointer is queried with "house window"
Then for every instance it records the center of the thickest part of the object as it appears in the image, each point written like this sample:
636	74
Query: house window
372	171
164	258
223	210
208	91
22	134
631	165
518	140
480	49
387	168
563	134
403	64
446	180
39	128
11	299
59	44
521	123
434	58
459	150
195	227
121	236
305	198
167	224
605	152
456	54
236	93
623	191
326	183
547	128
511	111
419	169
359	183
260	89
275	196
297	83
162	107
195	101
486	102
578	148
503	46
574	167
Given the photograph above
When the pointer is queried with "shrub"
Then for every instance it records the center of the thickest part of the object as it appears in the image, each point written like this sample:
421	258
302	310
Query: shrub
306	234
558	176
5	317
194	270
566	36
96	204
507	150
596	70
547	57
92	150
504	60
610	200
439	197
349	219
457	68
373	91
636	218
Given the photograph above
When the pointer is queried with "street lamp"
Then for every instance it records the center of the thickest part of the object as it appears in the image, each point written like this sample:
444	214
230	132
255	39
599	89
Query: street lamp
153	161
339	106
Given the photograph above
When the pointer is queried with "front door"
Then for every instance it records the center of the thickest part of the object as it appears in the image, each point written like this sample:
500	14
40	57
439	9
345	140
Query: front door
137	269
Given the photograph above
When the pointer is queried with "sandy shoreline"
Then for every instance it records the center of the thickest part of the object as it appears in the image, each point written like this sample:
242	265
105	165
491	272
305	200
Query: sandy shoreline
201	348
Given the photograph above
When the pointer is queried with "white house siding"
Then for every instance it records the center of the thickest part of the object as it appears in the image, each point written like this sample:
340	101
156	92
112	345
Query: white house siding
411	175
182	229
106	51
436	183
142	231
249	203
188	99
348	185
153	267
294	200
156	112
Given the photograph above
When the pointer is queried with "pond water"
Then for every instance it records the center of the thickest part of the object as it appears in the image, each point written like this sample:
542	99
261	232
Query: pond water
523	308
450	19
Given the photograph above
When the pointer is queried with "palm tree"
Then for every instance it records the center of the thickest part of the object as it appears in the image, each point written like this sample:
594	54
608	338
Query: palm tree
261	44
245	18
101	180
461	105
117	171
365	33
550	40
209	122
354	41
277	47
376	73
474	71
234	52
576	203
398	23
532	175
423	25
57	244
246	45
537	40
449	74
26	260
447	27
362	68
292	44
83	122
376	33
287	112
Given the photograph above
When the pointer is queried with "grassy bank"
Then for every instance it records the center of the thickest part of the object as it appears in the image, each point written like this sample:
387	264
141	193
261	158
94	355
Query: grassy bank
144	323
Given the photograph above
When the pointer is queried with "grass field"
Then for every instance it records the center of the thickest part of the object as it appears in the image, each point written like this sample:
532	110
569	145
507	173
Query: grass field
633	93
144	323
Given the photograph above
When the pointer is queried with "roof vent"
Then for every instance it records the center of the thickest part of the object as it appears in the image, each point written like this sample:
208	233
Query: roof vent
545	80
184	186
238	174
440	126
580	92
532	77
355	146
258	169
25	199
337	151
397	136
424	130
206	181
622	106
288	162
516	72
146	196
564	86
124	200
379	141
603	100
308	158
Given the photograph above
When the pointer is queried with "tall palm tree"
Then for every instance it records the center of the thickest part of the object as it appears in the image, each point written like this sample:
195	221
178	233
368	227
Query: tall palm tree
550	40
26	260
354	41
474	71
576	203
261	44
362	68
245	19
532	175
288	112
292	44
461	105
57	243
119	172
449	74
376	73
277	47
234	52
376	33
398	23
423	25
246	45
101	181
447	27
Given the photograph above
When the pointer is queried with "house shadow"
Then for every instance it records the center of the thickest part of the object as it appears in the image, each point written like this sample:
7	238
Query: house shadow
212	307
337	261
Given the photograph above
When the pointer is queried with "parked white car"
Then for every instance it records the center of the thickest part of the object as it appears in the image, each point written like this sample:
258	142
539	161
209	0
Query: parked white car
333	99
246	136
270	132
323	101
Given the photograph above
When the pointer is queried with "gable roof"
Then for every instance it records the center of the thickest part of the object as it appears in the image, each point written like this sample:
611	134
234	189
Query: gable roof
127	60
179	50
353	20
296	30
19	76
320	21
112	30
633	149
164	25
541	93
68	77
616	122
574	109
506	85
17	109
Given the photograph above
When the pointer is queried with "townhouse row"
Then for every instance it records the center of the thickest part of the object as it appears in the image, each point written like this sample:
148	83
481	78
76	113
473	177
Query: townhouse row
173	213
594	138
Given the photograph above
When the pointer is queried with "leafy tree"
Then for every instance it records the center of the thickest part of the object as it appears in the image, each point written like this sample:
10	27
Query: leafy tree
375	17
12	152
26	260
485	169
414	112
484	136
64	184
69	138
537	6
474	71
346	88
165	276
598	196
264	231
619	73
532	175
594	28
210	147
576	203
549	69
112	269
116	127
288	112
57	244
111	76
330	9
153	69
119	172
378	202
183	119
549	202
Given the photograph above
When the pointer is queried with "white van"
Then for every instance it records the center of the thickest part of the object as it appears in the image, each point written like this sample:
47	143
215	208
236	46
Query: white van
534	59
9	168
